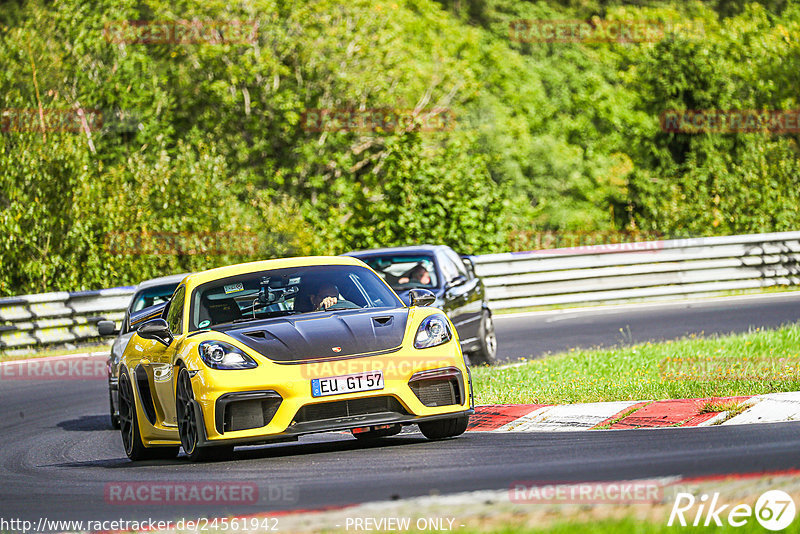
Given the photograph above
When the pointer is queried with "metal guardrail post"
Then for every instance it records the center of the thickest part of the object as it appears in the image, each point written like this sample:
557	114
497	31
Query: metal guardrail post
62	317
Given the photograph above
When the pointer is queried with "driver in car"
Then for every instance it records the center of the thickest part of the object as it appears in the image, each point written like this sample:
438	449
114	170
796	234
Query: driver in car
417	274
326	297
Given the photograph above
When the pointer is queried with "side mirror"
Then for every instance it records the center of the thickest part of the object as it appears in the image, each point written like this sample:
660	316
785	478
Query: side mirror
157	329
421	297
107	328
457	281
469	264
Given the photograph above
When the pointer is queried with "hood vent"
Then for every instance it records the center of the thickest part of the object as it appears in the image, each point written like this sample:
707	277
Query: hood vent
258	334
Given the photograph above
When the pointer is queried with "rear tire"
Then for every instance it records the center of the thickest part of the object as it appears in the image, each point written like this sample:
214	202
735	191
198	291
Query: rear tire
445	428
129	426
487	340
114	416
187	425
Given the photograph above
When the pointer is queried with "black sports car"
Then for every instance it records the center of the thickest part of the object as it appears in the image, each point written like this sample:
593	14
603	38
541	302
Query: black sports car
459	292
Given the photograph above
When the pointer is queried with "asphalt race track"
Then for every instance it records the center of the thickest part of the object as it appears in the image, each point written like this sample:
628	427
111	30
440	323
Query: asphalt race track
533	335
58	455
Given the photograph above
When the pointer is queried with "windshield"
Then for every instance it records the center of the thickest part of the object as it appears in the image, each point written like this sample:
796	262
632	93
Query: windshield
152	295
288	291
404	272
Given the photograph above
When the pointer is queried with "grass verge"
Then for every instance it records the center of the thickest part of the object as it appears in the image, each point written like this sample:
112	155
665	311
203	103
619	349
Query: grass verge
762	361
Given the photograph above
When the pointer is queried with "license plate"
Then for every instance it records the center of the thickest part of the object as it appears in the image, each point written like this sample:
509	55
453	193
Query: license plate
336	385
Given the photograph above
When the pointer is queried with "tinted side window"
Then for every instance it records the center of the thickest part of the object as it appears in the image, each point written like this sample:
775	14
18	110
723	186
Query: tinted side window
175	313
152	295
448	268
458	262
405	272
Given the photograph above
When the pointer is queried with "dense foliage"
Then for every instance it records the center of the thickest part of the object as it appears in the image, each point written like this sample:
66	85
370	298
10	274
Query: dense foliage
214	138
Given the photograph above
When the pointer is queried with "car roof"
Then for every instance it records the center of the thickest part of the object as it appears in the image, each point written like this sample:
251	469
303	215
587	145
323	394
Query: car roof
196	279
414	249
162	281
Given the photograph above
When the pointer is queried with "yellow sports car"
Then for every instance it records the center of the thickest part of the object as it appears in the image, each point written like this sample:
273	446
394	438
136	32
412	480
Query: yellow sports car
271	350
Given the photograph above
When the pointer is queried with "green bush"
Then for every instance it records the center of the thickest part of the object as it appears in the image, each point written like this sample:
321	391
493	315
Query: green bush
211	138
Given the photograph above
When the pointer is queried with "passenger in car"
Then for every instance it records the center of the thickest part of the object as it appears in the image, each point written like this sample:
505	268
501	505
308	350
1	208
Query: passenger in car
417	274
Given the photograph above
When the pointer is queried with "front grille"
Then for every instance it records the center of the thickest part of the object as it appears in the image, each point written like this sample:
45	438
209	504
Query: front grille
347	408
247	414
440	392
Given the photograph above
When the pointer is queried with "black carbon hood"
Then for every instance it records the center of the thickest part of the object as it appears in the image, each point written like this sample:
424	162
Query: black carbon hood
322	335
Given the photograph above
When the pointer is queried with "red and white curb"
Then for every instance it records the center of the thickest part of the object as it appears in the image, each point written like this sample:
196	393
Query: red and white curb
770	408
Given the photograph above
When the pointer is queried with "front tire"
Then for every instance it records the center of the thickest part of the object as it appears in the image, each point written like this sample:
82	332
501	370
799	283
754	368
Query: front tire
445	428
187	425
487	351
129	426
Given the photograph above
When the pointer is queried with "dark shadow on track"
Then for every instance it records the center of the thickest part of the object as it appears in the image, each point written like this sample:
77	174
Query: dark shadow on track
320	447
264	452
115	463
87	423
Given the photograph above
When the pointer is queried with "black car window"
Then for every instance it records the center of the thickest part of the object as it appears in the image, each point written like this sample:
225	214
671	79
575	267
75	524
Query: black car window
449	269
175	313
150	296
405	272
457	262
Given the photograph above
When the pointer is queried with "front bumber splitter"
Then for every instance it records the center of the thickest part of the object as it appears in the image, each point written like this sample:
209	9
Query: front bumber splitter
316	427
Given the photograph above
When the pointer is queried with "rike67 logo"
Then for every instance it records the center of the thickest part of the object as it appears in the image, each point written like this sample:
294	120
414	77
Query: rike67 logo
774	510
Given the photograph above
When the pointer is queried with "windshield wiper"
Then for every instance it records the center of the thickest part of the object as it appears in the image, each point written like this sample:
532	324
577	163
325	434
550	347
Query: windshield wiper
268	315
246	319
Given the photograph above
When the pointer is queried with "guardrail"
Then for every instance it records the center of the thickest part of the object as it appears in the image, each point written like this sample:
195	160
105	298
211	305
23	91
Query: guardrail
62	317
579	275
635	271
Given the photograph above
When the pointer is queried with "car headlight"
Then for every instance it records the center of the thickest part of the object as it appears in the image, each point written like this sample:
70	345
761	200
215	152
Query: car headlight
221	355
434	330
